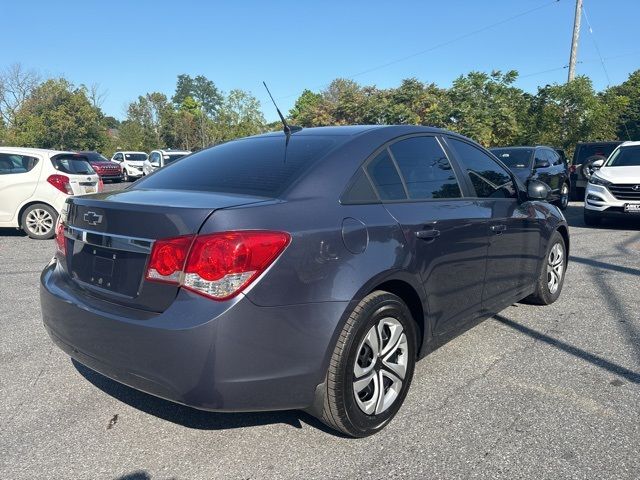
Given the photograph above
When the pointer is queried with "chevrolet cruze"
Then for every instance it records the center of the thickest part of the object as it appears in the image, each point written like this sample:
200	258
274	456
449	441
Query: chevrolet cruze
307	270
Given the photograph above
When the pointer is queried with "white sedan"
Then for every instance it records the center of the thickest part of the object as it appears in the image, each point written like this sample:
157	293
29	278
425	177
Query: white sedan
614	188
35	183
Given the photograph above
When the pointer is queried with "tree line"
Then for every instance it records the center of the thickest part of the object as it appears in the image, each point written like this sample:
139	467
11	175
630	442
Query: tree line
487	107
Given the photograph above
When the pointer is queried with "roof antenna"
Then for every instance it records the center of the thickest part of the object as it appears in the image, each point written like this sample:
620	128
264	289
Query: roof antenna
288	129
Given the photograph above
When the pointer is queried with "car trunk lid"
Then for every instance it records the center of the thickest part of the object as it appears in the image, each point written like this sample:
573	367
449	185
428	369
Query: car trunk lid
110	237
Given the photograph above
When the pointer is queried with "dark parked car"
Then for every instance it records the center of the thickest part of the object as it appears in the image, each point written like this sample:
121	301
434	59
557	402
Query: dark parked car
582	164
541	163
307	271
106	169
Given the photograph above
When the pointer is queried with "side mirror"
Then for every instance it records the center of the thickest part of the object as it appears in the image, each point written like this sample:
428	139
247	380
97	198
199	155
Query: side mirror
541	163
597	164
538	190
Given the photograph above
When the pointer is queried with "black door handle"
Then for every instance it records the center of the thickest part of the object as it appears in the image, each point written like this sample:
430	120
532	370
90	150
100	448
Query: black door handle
498	229
428	234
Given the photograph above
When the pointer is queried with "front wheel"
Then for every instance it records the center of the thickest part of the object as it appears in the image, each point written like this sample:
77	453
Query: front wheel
125	176
551	277
563	201
371	367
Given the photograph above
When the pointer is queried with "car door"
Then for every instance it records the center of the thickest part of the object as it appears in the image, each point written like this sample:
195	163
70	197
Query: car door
19	176
558	171
542	168
514	230
445	232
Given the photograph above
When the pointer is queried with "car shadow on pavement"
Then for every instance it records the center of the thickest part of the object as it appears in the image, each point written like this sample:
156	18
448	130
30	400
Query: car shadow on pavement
192	418
596	360
11	232
575	218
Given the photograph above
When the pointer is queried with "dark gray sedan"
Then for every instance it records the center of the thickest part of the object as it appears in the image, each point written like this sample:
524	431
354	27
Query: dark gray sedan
303	271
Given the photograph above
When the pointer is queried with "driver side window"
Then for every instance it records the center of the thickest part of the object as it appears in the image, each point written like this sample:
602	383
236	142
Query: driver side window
488	178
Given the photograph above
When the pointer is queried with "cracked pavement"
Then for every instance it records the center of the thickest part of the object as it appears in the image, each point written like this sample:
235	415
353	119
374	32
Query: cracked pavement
536	392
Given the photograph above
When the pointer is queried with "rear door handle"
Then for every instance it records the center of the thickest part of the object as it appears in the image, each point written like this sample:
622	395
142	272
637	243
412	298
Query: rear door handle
431	234
498	229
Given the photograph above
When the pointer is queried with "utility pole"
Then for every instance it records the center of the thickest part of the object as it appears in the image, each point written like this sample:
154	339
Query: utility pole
574	41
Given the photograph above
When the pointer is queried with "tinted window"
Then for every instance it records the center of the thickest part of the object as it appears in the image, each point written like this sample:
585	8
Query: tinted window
360	191
136	157
172	157
11	163
541	157
625	157
385	177
425	168
554	158
252	166
489	179
514	157
599	150
72	165
93	157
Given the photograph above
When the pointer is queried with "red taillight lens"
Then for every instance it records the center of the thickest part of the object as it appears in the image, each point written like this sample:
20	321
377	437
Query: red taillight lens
61	242
218	265
167	259
61	182
572	169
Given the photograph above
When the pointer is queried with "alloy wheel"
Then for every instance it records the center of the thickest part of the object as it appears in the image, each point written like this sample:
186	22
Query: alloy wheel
39	221
380	366
555	267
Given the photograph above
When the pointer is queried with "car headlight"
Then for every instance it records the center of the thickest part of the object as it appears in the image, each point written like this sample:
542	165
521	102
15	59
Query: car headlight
596	180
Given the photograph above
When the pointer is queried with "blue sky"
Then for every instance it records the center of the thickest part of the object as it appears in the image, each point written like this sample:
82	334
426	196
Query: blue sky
134	47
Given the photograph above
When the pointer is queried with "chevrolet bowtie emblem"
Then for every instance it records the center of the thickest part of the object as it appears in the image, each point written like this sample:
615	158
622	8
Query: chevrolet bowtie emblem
92	218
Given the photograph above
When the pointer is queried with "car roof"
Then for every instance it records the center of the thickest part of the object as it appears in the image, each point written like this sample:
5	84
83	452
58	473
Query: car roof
630	144
35	151
352	130
171	151
128	151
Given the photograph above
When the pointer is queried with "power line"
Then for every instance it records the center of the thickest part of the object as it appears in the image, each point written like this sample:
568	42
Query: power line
440	45
591	60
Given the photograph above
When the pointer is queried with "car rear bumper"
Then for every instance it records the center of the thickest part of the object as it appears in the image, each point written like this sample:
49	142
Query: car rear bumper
230	356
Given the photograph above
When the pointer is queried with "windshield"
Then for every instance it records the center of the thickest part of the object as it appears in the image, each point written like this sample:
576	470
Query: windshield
253	166
172	157
625	157
74	165
136	157
514	157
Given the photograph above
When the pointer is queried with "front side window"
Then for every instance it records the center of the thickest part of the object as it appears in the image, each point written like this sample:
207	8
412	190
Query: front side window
625	157
425	168
12	163
489	179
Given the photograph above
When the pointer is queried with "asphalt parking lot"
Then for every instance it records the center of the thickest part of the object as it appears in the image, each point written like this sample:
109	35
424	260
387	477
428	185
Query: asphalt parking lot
536	392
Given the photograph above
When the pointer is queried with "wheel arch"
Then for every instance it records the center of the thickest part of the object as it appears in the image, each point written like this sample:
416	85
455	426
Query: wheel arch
564	231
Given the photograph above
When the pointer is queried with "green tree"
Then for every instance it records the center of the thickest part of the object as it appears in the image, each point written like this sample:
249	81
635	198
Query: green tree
239	116
58	115
200	89
629	122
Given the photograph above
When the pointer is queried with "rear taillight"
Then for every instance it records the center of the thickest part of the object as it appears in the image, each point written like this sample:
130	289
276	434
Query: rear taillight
61	243
572	169
218	265
61	182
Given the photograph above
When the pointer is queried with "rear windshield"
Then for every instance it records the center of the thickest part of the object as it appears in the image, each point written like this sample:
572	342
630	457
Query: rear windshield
586	151
75	165
514	157
172	157
252	166
135	156
625	157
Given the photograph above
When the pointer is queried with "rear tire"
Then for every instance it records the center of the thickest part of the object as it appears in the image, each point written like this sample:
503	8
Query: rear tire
39	221
376	348
551	276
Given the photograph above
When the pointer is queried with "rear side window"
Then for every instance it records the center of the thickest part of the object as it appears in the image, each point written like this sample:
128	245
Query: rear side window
489	179
12	163
386	178
71	164
262	166
425	168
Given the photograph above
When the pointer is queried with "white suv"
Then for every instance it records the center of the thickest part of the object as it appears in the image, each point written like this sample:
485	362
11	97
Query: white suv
35	183
614	187
131	163
159	158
